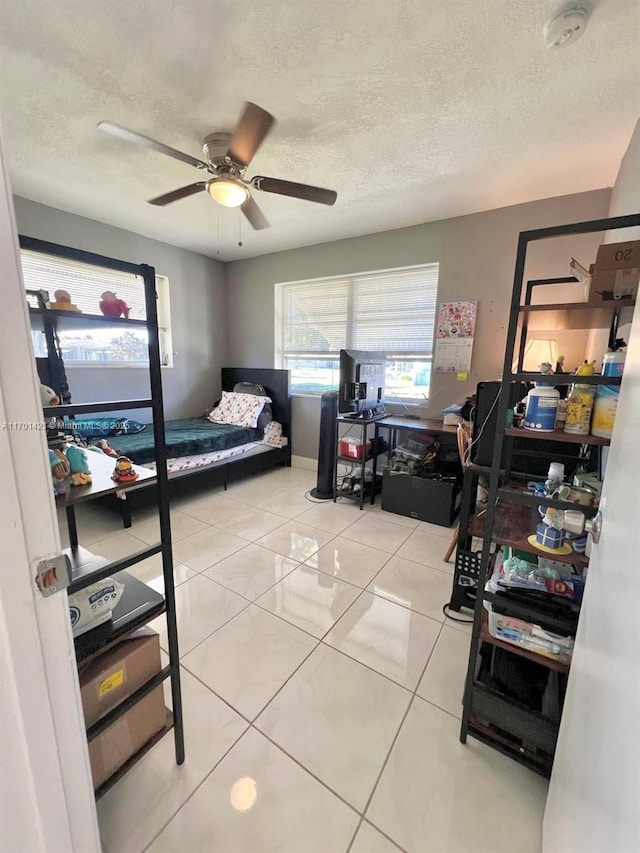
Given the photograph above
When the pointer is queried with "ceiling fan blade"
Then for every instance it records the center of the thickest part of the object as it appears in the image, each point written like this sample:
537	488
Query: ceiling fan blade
255	216
140	139
249	134
290	188
176	195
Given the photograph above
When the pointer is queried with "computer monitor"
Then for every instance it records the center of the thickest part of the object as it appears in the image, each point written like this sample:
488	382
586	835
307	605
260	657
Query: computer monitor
362	376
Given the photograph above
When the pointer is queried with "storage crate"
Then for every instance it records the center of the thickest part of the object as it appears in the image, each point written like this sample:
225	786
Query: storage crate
435	501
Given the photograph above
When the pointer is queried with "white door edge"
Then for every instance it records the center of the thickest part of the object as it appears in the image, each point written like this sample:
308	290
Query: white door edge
46	793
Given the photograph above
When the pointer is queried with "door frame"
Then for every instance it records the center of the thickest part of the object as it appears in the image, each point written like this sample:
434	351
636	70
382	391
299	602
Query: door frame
46	792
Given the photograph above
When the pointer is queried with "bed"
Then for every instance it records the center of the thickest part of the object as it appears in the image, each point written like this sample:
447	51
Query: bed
201	454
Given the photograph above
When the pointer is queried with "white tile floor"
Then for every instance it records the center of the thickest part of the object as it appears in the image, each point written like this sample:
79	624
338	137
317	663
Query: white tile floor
321	689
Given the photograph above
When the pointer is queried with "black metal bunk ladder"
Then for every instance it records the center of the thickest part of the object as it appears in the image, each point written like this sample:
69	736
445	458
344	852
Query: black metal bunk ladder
508	378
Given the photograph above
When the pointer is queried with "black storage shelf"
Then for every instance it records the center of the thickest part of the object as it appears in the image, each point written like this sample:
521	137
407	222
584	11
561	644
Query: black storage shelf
91	408
508	726
565	379
79	319
139	603
88	568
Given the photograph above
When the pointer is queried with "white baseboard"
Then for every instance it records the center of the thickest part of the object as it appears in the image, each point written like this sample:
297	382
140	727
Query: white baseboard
304	462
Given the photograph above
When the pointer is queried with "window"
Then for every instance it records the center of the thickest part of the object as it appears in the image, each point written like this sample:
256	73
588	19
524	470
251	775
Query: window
87	345
392	311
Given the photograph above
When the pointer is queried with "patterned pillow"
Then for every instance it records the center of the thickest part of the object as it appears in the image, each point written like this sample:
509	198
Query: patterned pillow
238	409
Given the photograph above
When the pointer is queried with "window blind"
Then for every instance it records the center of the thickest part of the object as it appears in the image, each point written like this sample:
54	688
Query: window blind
84	283
314	317
392	311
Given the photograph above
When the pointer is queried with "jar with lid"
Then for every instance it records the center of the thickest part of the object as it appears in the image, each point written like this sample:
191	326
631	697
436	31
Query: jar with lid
580	403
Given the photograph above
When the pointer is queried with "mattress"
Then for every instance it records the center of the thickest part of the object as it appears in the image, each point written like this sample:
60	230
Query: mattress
185	437
201	460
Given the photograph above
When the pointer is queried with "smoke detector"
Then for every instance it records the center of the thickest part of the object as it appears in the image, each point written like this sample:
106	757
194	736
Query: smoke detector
566	25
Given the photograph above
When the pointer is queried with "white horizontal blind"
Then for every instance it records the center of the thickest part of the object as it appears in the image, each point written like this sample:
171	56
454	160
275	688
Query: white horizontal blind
394	312
314	317
84	283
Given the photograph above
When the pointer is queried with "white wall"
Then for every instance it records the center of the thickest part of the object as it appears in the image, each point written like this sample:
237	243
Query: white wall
476	254
625	195
198	312
625	199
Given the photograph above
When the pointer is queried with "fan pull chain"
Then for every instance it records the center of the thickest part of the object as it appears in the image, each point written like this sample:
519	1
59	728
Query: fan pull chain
239	228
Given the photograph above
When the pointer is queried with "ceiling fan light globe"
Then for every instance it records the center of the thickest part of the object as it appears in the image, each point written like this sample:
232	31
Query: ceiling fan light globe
227	192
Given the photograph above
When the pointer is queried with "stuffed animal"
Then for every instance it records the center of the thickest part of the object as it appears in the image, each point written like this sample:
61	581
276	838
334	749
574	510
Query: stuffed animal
48	396
79	464
62	301
124	471
60	470
111	306
106	448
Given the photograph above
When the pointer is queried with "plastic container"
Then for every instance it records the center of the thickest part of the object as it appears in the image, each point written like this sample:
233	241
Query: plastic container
353	448
606	402
542	408
580	404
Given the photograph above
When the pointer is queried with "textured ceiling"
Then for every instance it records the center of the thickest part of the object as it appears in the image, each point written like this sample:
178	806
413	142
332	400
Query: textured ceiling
413	110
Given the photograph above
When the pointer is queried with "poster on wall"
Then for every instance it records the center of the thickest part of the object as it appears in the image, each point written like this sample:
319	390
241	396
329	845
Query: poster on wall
454	340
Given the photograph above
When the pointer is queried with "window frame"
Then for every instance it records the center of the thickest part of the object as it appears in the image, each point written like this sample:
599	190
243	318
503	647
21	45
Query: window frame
416	356
164	332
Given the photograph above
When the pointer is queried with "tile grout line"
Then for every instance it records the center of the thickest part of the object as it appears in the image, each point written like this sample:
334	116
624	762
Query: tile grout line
397	734
319	641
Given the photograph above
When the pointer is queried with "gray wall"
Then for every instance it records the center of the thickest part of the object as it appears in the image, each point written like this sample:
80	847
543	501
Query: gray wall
198	312
476	254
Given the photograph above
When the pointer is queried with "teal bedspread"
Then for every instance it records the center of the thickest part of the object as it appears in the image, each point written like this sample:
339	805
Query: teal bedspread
184	437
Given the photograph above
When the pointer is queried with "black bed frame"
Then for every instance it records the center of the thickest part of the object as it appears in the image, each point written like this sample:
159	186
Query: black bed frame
277	386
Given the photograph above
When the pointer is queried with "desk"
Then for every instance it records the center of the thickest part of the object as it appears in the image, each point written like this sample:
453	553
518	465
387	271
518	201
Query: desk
396	423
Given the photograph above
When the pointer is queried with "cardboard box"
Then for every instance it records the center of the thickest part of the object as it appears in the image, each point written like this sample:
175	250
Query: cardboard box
118	672
107	680
615	274
117	744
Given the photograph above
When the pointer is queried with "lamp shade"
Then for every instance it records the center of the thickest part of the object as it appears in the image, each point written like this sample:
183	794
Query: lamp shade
228	192
537	351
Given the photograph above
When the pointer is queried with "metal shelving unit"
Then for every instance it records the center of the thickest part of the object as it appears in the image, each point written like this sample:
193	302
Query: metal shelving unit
522	733
358	464
139	603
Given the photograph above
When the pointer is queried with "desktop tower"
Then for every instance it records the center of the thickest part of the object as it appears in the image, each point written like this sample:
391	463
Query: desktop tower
326	446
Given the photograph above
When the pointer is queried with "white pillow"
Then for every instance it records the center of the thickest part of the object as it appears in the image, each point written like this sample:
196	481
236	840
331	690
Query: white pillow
238	409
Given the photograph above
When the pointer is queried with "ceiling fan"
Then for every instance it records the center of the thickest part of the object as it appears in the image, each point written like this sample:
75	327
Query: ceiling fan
227	157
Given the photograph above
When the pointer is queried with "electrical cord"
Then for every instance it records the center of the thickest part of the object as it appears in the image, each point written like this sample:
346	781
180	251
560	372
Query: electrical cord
445	608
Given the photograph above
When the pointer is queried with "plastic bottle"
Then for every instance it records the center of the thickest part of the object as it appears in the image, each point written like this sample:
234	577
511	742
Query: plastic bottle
580	403
542	408
606	404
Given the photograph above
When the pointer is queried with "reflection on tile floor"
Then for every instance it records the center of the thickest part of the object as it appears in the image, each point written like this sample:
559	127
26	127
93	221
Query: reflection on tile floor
322	688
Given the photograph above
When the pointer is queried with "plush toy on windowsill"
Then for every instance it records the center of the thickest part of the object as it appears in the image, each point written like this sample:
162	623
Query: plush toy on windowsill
79	464
62	302
111	306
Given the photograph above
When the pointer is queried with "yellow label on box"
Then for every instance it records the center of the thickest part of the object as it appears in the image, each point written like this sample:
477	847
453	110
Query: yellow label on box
461	375
110	683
